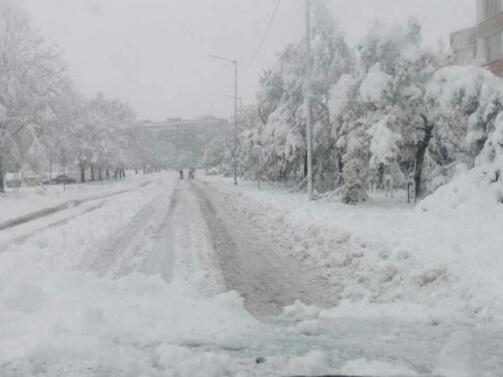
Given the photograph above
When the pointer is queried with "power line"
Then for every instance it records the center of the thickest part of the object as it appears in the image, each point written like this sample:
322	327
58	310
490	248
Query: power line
266	34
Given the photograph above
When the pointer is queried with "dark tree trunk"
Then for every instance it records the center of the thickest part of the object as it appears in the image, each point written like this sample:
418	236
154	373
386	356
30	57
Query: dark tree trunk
305	164
100	176
2	186
93	178
340	168
422	146
116	173
108	173
82	173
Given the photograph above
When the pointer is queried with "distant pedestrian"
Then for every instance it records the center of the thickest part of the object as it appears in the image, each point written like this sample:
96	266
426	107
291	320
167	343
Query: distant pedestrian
181	173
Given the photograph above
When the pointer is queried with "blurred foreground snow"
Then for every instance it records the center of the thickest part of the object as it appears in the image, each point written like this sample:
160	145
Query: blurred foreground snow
59	318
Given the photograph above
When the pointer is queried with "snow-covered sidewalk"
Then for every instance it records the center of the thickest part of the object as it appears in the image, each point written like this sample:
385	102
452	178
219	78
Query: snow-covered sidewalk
387	260
29	200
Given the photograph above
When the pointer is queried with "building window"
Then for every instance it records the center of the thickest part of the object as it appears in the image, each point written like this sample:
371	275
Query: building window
492	7
493	47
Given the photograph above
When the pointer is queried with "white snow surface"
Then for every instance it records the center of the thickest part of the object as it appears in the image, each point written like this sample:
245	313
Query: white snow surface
64	314
388	259
364	367
59	318
28	199
476	191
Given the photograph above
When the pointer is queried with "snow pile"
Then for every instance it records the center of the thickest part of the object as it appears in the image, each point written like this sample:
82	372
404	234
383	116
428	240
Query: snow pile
301	311
469	190
363	367
399	311
311	364
416	266
478	188
182	361
123	324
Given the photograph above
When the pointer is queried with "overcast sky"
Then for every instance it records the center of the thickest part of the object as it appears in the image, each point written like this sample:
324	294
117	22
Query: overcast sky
154	53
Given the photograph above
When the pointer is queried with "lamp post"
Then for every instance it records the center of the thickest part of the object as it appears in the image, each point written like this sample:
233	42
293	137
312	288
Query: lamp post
308	103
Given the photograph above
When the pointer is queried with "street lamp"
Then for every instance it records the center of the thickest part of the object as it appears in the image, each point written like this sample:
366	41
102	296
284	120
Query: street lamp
308	103
235	63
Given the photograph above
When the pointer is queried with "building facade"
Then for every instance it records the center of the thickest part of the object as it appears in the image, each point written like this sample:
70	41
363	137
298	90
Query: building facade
483	43
184	141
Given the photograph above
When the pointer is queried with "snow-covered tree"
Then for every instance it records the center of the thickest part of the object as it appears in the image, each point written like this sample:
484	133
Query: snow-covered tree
29	72
281	101
43	119
463	103
104	137
381	105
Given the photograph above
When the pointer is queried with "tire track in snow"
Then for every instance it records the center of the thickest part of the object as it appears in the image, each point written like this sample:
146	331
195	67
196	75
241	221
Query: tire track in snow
61	207
195	263
63	221
152	238
168	237
267	280
103	258
184	247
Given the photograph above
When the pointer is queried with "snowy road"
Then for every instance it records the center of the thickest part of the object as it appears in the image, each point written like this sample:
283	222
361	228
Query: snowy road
138	284
186	234
251	264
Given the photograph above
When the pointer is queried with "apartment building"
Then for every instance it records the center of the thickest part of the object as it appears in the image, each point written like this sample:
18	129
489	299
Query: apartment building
184	141
482	44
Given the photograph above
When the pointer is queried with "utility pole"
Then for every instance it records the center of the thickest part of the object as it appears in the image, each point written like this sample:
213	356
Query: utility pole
308	103
235	148
206	134
240	101
235	153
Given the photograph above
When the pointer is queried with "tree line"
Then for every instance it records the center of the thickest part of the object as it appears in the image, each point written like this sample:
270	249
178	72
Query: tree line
44	120
387	106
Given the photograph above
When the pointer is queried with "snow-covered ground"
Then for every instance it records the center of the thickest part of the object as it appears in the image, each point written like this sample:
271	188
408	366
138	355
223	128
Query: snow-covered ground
131	285
63	315
388	258
14	204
